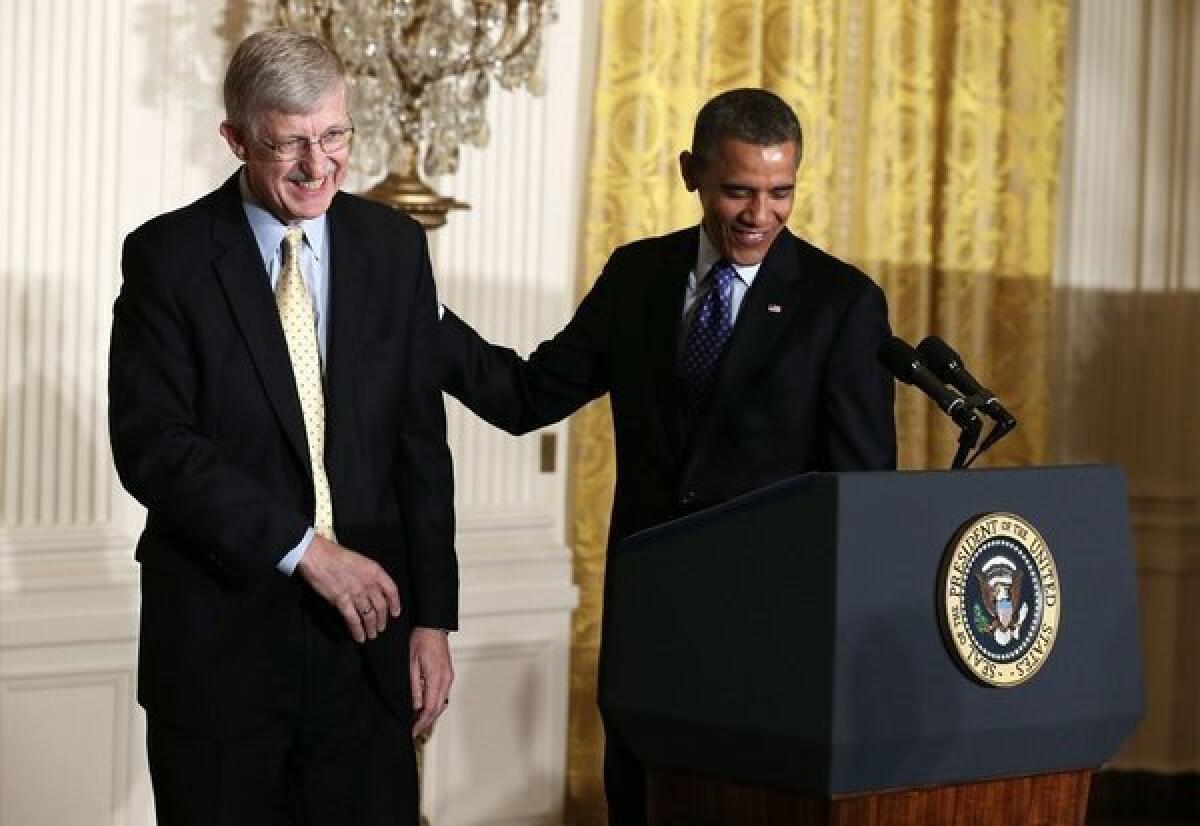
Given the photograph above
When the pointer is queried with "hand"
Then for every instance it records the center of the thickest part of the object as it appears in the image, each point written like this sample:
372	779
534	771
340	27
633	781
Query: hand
431	673
358	587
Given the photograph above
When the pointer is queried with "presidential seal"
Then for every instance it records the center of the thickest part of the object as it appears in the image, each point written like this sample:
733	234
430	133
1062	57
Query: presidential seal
999	599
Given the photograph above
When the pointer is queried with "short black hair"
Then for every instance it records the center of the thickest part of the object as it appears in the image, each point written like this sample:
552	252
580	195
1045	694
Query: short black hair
751	115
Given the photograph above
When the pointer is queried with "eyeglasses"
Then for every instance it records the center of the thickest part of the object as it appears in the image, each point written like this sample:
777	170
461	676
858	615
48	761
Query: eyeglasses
293	149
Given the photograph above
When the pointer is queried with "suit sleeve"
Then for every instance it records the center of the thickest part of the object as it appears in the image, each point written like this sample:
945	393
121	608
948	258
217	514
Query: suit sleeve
859	418
563	373
424	475
163	459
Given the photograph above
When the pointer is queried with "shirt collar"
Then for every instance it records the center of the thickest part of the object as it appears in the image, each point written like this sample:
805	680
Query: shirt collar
269	230
707	255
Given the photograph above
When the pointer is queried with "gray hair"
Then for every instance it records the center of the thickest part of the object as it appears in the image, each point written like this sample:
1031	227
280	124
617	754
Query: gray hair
754	116
281	70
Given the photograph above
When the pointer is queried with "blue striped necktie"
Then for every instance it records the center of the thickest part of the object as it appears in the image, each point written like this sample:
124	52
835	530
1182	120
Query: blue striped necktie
710	329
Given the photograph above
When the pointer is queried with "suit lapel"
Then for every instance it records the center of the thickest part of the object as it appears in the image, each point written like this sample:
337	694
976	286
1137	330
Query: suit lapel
247	287
770	306
348	293
664	308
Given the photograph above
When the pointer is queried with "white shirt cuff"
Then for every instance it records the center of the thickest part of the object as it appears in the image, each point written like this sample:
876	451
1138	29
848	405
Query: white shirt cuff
288	564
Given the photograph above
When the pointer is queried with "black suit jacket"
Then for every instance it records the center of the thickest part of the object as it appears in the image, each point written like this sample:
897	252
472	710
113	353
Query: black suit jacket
208	434
799	388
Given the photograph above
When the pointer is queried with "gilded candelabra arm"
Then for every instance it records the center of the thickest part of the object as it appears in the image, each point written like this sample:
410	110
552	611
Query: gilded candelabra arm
320	13
477	56
512	13
413	87
502	52
415	23
477	37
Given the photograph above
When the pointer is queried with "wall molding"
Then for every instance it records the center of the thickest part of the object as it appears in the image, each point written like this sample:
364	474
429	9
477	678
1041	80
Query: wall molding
66	558
109	718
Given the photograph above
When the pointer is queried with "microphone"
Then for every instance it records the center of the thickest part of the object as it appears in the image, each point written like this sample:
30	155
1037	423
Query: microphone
949	367
906	364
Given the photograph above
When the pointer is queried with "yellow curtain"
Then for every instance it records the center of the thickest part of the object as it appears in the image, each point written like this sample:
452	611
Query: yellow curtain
930	160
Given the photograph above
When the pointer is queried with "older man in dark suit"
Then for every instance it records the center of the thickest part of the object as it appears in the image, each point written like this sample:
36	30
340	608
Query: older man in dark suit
272	406
734	353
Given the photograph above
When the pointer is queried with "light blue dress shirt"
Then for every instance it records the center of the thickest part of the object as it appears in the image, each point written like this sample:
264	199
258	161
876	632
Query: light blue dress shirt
314	266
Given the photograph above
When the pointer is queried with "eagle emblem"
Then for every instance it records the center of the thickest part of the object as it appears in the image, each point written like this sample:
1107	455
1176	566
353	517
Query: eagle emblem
1000	587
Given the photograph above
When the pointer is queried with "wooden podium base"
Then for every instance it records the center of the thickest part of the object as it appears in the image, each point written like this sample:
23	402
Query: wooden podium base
677	799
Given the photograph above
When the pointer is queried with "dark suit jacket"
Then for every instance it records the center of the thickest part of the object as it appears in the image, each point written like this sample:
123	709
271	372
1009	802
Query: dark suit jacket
208	434
799	388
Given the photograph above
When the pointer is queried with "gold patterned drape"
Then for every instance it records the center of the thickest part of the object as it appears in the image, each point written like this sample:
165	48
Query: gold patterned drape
931	146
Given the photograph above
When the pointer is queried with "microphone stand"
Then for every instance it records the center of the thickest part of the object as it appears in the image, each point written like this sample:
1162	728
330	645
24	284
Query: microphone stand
967	438
999	431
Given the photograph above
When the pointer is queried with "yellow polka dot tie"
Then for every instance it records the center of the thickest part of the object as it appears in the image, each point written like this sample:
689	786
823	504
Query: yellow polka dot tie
300	330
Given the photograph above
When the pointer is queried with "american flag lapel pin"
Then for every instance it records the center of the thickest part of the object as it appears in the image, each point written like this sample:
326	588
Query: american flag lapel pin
774	308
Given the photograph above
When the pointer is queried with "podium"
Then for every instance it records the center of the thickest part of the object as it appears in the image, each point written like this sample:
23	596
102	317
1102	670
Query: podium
779	659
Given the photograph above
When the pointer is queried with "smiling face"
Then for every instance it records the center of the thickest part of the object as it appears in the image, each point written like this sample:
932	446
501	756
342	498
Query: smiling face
293	190
746	192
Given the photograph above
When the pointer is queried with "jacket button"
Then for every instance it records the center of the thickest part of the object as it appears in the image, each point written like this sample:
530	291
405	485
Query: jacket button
688	498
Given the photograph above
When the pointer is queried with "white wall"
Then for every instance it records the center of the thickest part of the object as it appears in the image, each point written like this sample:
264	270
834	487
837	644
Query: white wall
110	112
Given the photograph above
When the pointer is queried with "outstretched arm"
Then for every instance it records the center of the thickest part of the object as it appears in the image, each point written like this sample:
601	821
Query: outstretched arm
520	395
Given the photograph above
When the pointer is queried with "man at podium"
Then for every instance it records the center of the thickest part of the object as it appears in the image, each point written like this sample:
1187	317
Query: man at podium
734	353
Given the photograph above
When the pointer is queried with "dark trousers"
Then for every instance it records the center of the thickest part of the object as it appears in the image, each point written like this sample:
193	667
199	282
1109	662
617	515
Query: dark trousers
624	782
339	756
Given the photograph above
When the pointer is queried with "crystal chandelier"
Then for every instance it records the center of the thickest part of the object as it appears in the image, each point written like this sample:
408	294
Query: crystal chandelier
420	72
